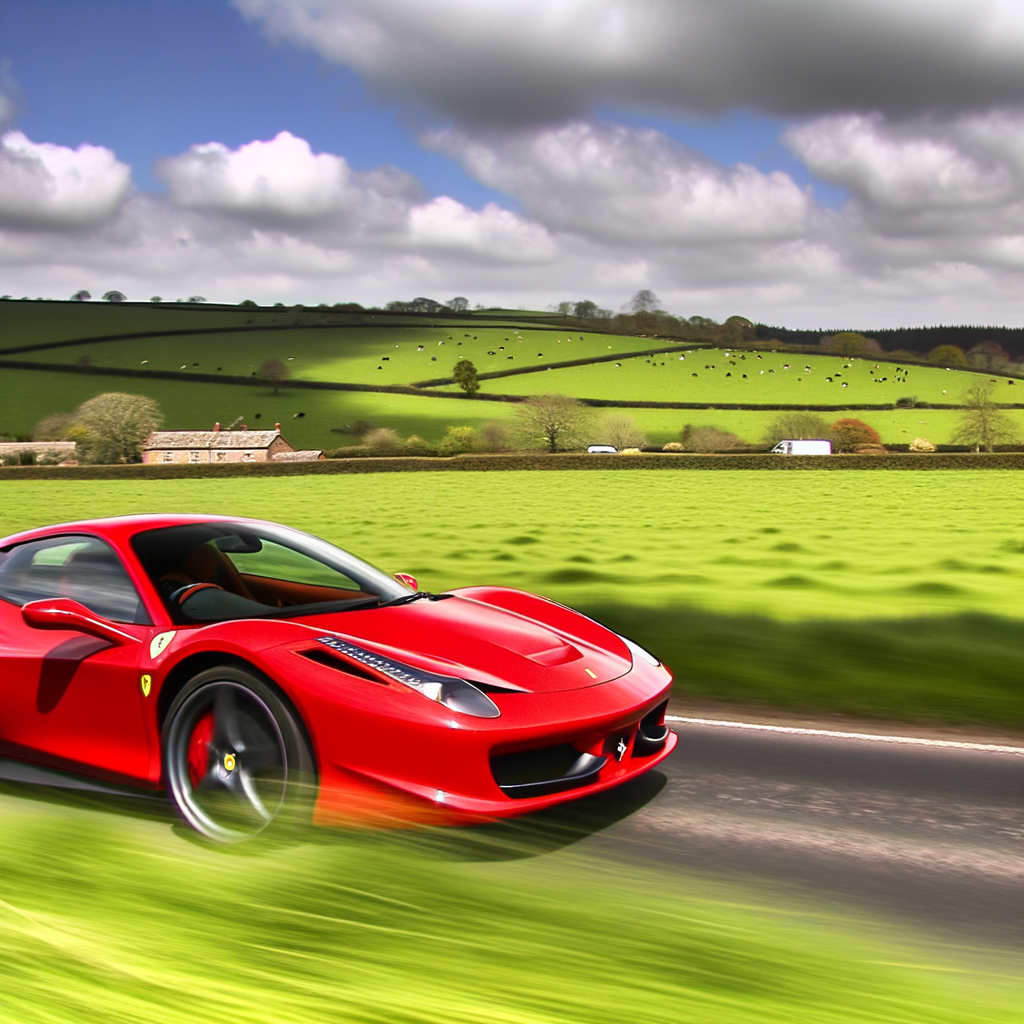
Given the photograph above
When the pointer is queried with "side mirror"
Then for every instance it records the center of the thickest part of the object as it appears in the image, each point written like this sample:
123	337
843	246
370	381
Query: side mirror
409	581
60	613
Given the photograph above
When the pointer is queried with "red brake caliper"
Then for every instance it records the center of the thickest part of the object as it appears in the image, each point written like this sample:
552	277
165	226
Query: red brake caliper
199	749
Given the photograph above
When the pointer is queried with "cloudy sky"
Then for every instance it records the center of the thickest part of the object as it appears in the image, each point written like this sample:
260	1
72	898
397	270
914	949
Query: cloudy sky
814	163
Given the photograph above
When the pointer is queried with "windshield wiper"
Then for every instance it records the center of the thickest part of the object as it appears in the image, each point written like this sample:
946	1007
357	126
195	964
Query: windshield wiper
419	595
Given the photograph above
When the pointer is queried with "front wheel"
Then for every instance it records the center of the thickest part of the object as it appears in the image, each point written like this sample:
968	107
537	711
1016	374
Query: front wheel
235	757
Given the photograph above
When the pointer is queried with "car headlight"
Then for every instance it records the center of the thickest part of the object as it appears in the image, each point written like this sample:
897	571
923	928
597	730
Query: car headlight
454	693
638	652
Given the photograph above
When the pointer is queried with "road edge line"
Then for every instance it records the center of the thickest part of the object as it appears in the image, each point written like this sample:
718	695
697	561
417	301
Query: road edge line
913	741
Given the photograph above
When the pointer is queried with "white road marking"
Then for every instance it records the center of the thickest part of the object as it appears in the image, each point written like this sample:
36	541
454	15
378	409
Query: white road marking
912	741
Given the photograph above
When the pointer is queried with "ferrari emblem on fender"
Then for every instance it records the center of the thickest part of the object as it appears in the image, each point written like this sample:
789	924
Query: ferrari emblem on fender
159	643
620	749
146	684
229	762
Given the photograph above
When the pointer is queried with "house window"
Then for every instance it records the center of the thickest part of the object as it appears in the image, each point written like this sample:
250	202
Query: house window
193	456
221	456
168	456
247	457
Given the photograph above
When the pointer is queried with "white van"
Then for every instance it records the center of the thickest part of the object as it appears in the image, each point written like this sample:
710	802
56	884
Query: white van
602	449
803	447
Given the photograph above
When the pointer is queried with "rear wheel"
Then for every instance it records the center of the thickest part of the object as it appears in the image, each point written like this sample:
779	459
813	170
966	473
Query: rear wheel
235	757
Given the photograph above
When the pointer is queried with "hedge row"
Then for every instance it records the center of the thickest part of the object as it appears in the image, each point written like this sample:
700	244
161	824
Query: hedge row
522	461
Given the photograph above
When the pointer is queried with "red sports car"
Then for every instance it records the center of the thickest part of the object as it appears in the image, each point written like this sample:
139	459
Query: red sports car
247	668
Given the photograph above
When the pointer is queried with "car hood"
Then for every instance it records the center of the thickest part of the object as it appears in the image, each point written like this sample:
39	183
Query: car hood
479	642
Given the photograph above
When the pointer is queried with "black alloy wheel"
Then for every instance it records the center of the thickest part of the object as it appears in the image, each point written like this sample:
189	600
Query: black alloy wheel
235	757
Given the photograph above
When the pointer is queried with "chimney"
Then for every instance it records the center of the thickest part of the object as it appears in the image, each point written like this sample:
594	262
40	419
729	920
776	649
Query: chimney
277	427
216	427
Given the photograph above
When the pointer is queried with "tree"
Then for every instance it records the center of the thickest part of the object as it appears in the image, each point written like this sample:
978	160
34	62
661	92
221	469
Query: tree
114	296
555	422
458	440
708	439
621	431
459	304
247	302
982	423
383	439
81	296
196	298
53	427
947	355
847	434
494	436
564	308
155	298
585	309
849	343
644	301
464	375
116	425
988	355
794	426
274	371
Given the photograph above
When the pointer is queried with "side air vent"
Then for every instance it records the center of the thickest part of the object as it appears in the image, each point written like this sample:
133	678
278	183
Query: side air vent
324	657
652	732
544	770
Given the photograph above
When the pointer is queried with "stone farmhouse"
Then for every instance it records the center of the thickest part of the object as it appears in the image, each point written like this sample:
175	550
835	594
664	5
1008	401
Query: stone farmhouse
198	447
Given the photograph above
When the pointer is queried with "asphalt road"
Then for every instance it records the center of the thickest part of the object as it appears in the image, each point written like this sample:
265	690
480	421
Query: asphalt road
931	836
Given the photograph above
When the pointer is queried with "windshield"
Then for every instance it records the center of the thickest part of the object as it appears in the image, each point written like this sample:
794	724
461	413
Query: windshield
213	572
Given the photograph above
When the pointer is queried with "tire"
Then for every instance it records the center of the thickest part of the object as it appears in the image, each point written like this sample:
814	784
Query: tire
235	757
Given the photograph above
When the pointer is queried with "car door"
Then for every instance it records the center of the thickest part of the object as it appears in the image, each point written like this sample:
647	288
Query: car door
66	699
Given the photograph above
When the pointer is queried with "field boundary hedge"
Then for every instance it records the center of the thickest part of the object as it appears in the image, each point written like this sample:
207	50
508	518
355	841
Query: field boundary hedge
526	461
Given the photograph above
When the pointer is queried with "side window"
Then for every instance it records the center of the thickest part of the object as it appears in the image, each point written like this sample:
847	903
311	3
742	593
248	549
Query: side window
83	569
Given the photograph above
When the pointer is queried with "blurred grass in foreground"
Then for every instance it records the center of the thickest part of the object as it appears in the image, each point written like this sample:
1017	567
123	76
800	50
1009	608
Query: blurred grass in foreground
118	919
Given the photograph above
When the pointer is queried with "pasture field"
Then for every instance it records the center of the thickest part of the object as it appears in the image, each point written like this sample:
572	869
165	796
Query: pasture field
506	925
394	354
758	378
28	395
890	594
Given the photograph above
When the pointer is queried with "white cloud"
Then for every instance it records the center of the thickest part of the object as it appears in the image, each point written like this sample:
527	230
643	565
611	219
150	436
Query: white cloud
43	185
493	233
628	185
520	61
281	177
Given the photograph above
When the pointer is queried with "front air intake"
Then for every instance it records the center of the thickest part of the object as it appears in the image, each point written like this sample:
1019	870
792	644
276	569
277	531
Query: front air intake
652	732
544	770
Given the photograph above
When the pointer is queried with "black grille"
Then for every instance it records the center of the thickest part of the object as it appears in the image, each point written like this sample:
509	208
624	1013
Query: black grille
544	770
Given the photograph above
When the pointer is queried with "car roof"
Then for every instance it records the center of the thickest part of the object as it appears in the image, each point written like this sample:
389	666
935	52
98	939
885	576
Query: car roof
119	529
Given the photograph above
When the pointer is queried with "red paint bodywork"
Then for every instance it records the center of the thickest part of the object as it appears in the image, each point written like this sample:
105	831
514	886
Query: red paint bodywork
383	751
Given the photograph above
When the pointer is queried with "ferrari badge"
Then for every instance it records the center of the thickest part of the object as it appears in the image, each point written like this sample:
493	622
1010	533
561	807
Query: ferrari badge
146	684
159	643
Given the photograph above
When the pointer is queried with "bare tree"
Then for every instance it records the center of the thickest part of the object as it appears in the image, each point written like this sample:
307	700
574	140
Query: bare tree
645	301
117	425
795	425
622	431
494	435
274	371
555	422
982	423
114	296
81	296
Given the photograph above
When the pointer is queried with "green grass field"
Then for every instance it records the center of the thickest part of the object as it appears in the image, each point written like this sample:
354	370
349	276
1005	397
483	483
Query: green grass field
713	375
114	917
391	355
890	594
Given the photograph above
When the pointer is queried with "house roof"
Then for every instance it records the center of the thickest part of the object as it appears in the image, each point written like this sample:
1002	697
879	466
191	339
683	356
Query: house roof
193	439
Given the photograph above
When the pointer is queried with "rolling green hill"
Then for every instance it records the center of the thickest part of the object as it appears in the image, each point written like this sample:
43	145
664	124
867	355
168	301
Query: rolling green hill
786	378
